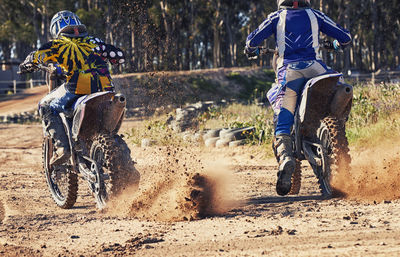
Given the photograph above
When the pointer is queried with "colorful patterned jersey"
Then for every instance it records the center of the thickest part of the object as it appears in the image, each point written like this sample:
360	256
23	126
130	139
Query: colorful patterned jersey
83	59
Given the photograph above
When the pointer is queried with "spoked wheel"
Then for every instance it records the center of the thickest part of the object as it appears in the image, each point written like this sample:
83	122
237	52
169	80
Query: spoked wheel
102	187
334	153
63	184
113	168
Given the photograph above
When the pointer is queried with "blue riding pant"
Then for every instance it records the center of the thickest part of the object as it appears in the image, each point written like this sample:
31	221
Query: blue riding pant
58	100
291	81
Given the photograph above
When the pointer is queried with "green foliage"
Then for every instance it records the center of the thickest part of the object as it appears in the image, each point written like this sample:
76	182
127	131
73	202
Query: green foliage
94	20
364	111
240	116
264	128
211	113
203	84
253	87
374	113
367	136
154	129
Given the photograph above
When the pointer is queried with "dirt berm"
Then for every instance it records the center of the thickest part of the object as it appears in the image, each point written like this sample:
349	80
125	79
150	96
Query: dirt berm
154	89
157	89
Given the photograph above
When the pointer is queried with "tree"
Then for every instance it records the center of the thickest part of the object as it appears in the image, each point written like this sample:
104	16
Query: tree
194	34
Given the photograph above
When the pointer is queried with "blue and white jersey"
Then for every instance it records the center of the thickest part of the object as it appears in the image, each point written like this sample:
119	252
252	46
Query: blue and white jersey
297	34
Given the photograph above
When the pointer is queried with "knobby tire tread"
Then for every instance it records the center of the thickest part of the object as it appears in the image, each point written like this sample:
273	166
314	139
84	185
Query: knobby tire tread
72	184
296	179
340	159
117	161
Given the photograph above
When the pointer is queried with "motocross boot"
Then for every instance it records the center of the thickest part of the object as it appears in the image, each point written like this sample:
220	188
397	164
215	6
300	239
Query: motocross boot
283	150
54	126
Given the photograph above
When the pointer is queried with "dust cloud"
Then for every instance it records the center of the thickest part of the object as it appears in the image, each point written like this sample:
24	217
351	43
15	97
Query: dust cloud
375	173
180	186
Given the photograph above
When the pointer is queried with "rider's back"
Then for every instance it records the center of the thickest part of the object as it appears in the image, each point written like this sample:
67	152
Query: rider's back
297	33
86	71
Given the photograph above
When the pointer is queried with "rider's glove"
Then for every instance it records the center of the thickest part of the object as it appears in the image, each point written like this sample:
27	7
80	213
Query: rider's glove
27	67
336	45
57	72
252	52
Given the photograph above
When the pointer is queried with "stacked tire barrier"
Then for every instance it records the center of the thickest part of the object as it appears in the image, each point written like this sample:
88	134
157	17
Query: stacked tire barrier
23	117
186	118
227	137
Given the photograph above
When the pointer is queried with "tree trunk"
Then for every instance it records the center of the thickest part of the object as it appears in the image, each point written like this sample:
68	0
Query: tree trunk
230	51
168	31
109	35
133	50
6	50
375	32
216	26
397	48
347	62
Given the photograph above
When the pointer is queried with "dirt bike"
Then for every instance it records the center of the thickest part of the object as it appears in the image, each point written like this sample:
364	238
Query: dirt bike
319	131
98	153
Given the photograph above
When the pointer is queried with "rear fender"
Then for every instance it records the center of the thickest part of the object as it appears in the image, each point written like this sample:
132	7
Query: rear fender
320	90
315	100
98	112
88	114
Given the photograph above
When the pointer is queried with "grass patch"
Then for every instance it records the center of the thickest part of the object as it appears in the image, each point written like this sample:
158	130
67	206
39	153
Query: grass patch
155	129
239	116
203	84
367	136
374	114
253	87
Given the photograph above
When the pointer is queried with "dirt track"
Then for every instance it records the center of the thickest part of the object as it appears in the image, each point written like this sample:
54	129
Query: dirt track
260	223
25	101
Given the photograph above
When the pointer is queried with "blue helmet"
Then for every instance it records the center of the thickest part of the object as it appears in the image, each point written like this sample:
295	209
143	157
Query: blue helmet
293	3
66	23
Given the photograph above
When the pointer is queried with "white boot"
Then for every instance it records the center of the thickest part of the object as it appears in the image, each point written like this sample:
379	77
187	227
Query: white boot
283	150
55	127
60	155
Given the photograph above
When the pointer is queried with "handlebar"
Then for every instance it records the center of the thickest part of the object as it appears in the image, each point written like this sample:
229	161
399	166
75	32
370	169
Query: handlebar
49	68
39	66
327	45
265	50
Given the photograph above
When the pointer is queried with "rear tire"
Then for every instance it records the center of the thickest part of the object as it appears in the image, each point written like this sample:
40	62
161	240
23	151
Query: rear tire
129	176
332	137
63	185
296	179
112	156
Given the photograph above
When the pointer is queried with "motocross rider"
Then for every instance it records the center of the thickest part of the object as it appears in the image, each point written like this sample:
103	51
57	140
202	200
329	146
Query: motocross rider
296	27
82	59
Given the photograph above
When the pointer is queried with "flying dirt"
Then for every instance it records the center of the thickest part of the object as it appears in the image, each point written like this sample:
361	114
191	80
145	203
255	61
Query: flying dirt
179	186
196	201
375	173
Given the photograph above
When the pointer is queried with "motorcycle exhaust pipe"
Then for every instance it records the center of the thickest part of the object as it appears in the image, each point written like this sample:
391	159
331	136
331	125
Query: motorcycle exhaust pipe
341	99
119	99
114	112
